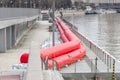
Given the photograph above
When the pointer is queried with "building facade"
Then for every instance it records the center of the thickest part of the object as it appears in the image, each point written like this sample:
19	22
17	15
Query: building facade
98	1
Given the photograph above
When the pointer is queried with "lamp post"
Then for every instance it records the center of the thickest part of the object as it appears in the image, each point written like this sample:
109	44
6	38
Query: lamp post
53	28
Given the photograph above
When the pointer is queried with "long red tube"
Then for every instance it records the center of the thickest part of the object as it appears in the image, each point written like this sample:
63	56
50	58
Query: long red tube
66	53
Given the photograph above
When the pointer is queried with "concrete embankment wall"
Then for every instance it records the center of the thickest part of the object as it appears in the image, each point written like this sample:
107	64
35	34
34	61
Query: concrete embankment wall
12	13
14	23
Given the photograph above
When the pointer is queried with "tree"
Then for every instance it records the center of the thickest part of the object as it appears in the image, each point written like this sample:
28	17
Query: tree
43	4
68	3
76	4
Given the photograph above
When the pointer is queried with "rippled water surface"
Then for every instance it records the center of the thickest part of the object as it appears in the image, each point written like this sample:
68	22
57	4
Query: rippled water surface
103	29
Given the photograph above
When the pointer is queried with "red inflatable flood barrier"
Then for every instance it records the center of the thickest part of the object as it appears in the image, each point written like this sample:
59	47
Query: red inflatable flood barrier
59	50
64	48
66	53
62	35
67	58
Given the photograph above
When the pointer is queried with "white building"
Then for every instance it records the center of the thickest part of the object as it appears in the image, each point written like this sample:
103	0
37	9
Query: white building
99	1
103	1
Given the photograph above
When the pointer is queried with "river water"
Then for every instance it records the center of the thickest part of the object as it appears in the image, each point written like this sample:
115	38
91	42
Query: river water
102	29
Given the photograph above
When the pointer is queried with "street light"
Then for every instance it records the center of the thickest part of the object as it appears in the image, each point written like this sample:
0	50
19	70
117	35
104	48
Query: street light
53	28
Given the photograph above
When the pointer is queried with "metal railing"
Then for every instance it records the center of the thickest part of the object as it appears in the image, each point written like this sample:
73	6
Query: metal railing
87	66
91	73
103	55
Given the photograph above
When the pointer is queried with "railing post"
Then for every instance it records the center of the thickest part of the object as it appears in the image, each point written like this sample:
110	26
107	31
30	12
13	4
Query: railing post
91	65
105	58
75	67
110	62
42	63
113	73
54	63
95	68
107	63
46	63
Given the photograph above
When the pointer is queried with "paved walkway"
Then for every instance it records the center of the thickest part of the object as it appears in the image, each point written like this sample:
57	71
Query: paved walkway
38	32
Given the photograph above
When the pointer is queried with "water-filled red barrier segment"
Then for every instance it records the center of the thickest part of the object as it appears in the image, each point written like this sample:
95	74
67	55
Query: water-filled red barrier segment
66	53
62	35
68	58
59	50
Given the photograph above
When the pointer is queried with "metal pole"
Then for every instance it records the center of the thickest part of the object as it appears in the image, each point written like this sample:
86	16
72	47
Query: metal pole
46	63
91	65
53	36
113	73
95	77
75	67
53	64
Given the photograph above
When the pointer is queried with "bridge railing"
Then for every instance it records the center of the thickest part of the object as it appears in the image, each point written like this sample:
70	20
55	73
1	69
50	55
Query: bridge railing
102	55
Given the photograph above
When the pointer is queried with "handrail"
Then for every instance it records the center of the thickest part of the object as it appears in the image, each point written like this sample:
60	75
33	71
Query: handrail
91	41
103	55
99	47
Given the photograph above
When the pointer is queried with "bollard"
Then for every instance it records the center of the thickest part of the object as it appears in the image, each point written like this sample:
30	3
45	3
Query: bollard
95	77
113	73
46	63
